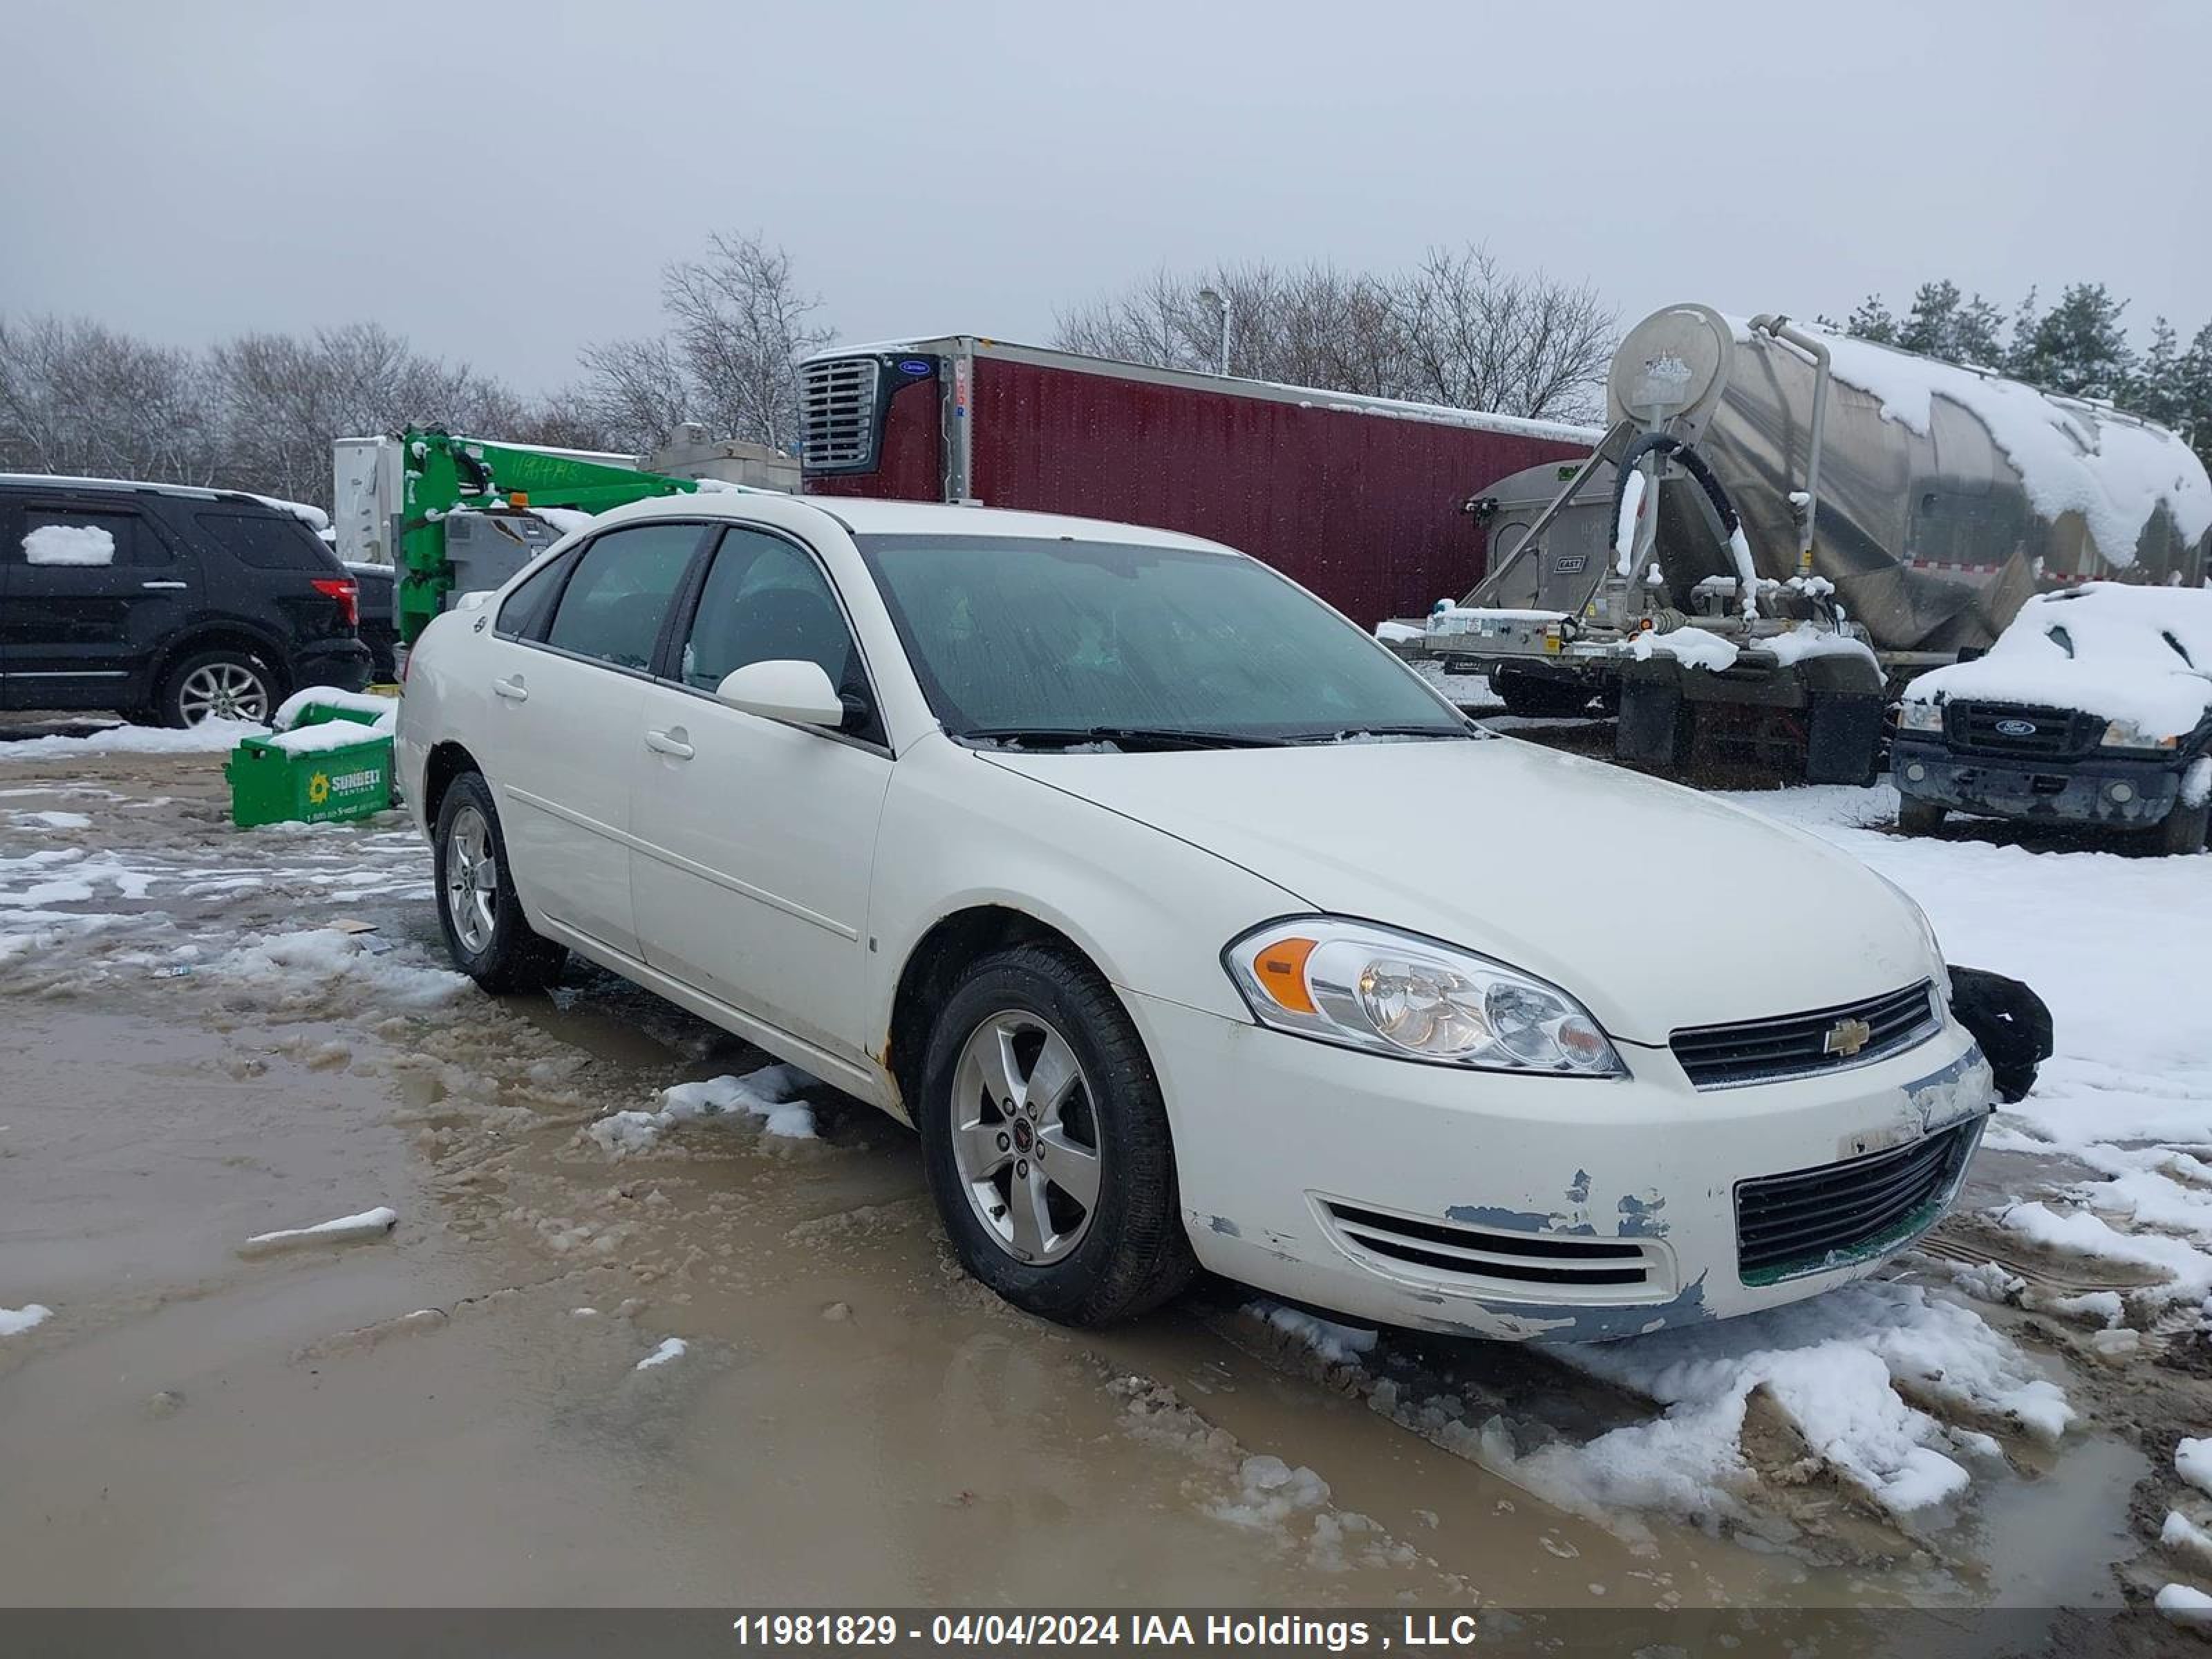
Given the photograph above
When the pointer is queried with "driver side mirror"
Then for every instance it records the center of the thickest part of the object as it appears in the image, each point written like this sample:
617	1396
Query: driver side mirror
784	689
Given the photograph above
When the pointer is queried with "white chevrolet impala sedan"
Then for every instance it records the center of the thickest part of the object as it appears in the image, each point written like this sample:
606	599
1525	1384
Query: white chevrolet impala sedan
1186	925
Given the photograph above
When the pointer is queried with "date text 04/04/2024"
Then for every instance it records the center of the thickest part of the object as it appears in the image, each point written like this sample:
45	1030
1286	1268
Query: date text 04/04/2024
1000	1629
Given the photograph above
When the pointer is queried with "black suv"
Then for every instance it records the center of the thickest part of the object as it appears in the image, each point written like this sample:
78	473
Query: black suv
167	604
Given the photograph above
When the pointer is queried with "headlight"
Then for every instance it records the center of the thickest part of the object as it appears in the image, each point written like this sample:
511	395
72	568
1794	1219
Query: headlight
2126	735
1367	987
1920	717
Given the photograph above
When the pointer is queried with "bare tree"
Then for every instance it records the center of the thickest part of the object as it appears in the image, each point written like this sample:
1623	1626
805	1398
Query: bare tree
79	397
738	325
1457	330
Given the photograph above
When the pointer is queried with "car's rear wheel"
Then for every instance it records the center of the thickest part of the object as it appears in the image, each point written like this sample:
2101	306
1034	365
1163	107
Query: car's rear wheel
2183	829
220	684
1919	817
1046	1142
486	932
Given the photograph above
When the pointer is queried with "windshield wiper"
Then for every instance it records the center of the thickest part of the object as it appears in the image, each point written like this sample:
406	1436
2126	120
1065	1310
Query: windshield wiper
1346	734
1157	737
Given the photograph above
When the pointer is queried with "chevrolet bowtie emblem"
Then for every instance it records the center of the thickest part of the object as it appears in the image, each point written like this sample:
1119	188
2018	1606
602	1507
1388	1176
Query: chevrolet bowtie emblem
1846	1037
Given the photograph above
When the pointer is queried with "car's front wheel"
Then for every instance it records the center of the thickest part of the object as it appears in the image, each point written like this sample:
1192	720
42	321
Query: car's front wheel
1919	817
486	932
1046	1142
2183	828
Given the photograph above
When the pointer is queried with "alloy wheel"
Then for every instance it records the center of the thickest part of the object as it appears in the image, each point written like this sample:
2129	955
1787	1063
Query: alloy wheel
1025	1136
471	879
222	690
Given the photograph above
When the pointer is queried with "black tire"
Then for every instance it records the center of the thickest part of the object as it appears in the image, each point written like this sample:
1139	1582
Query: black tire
1534	697
224	681
1919	817
1132	1253
510	956
2183	828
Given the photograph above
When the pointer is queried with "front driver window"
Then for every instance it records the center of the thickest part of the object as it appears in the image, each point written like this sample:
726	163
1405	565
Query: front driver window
765	600
613	606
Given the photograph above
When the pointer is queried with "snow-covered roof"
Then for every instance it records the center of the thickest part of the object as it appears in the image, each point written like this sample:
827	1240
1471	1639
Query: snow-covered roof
2121	651
314	517
2073	455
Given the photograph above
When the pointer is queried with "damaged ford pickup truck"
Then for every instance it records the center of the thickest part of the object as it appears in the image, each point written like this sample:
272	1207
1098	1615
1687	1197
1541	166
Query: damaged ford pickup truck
1186	925
2094	706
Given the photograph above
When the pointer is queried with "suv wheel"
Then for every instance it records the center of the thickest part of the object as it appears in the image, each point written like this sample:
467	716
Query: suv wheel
485	930
1046	1142
2183	828
220	684
1919	817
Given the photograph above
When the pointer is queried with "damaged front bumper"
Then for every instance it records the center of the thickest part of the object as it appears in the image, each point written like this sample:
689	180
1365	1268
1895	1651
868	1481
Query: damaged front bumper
1549	1209
2101	789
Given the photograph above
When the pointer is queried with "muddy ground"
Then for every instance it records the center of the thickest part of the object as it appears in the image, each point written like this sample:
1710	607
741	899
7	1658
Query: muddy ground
455	1411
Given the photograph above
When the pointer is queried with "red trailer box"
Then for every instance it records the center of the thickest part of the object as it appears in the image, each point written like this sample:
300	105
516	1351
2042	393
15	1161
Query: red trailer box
1359	499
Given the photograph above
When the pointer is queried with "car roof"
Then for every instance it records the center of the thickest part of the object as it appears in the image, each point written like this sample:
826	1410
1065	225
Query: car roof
301	510
866	517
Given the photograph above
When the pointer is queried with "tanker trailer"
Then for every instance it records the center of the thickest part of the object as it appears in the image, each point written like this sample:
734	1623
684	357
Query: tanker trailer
1782	526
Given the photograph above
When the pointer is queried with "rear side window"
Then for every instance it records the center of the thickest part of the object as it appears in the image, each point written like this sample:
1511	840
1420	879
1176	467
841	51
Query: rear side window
63	537
522	616
614	605
266	542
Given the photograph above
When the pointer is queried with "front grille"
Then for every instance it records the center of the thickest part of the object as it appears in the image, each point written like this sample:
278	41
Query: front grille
1994	728
1838	1213
1800	1045
1478	1252
837	412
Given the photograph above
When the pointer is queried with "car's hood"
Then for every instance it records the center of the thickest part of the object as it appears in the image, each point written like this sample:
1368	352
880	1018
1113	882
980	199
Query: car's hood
1657	907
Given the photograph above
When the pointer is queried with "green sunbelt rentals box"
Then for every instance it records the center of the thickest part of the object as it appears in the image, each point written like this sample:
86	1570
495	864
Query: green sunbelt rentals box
270	784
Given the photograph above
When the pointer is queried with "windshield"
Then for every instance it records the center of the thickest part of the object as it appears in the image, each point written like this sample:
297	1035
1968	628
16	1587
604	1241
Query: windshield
1014	637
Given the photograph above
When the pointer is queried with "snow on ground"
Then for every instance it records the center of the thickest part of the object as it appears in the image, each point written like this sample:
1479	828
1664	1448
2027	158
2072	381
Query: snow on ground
14	1321
369	1224
209	738
767	1096
673	1347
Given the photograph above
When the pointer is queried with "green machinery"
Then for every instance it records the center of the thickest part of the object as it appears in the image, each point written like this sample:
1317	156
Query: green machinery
495	487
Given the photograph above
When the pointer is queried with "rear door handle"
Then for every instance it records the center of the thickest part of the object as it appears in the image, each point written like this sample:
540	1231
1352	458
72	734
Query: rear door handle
513	689
670	742
179	586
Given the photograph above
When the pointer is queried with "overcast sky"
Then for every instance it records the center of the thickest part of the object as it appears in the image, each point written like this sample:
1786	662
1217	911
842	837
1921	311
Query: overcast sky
502	182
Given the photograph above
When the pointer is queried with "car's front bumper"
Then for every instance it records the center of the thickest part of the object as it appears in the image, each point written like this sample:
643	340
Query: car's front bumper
2135	792
1613	1204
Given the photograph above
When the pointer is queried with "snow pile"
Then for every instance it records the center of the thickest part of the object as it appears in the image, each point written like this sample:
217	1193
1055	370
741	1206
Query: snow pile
1269	1492
1624	529
2116	471
345	1230
50	821
2185	1537
297	970
1693	647
1396	633
2192	1461
2140	654
312	516
566	519
209	737
1839	1369
69	544
673	1347
330	735
2191	1609
767	1096
14	1321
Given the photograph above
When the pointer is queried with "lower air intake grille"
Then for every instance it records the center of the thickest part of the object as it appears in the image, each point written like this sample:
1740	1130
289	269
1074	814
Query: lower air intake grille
1511	1258
1798	1045
837	412
1811	1219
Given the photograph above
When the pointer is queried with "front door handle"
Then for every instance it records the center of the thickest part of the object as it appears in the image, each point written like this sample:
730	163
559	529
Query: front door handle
176	586
512	688
670	742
